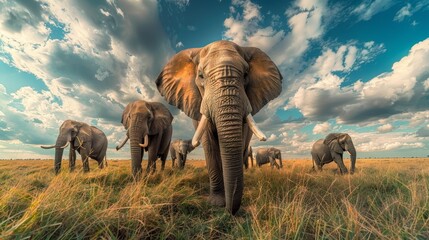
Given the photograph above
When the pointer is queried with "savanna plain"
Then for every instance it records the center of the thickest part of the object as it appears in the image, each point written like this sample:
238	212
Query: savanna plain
384	199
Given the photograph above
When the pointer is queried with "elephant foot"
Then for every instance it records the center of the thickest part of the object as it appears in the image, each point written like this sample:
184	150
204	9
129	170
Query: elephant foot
217	200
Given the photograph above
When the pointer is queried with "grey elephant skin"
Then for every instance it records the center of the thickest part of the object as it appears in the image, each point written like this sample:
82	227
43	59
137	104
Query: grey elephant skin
89	141
179	150
248	154
269	155
331	149
148	126
220	86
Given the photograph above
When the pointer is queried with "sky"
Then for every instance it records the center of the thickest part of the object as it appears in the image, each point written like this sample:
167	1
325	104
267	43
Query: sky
360	67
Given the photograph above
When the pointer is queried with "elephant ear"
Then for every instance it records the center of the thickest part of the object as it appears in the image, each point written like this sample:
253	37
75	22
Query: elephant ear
84	134
336	141
176	83
162	118
125	115
264	78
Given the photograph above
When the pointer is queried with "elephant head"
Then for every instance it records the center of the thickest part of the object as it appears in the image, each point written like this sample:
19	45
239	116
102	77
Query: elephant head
340	142
185	147
70	132
141	120
276	154
222	85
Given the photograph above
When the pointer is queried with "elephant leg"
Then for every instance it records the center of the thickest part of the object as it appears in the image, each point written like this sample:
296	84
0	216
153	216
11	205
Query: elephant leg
152	153
214	167
338	158
184	160
72	159
163	158
85	160
316	161
172	161
273	163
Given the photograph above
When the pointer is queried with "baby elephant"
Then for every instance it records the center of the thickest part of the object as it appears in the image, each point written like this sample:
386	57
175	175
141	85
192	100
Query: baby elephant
331	149
269	155
89	141
179	149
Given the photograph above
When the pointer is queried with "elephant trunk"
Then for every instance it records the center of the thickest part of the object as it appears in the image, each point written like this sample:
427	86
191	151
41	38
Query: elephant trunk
281	161
231	145
136	135
228	114
352	152
62	142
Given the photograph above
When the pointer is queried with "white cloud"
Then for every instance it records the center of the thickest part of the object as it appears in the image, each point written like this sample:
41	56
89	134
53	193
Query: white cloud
409	9
179	45
321	128
321	96
385	128
372	142
402	13
368	9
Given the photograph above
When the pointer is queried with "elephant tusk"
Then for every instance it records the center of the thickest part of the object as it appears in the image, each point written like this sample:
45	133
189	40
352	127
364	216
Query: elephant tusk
122	144
252	125
67	144
55	146
199	132
48	147
146	142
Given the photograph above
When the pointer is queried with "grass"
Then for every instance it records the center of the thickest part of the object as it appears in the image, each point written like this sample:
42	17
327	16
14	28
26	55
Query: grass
384	199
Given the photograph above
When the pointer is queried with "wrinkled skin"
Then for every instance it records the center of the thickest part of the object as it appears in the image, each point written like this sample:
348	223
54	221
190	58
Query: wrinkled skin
179	150
220	86
331	149
148	126
248	154
269	155
89	141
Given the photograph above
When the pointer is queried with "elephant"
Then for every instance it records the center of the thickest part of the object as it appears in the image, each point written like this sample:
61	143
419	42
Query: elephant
269	155
89	141
221	86
331	149
249	154
149	129
179	150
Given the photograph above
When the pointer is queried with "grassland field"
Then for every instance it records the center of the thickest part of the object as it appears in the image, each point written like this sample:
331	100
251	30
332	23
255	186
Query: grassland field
384	199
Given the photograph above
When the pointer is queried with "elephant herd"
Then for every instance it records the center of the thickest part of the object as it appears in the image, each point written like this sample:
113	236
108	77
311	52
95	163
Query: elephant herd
220	87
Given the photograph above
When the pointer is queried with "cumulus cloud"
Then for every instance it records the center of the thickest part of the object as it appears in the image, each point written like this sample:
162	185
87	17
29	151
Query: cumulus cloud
105	59
398	91
321	128
385	128
373	142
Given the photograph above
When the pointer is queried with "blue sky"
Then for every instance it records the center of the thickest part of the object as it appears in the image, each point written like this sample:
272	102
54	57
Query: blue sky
357	67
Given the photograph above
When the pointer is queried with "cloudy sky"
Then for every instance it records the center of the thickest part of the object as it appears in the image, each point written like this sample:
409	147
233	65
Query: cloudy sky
360	67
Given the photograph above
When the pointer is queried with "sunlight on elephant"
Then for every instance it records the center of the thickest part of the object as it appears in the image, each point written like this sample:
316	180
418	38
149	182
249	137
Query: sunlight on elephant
331	149
220	86
179	150
148	126
269	155
89	141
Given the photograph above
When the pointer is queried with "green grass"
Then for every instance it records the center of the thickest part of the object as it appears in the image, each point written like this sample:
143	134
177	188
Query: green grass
385	199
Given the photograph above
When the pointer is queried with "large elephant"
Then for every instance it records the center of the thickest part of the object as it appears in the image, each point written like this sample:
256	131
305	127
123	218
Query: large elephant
247	155
269	155
148	126
331	149
179	150
89	141
220	86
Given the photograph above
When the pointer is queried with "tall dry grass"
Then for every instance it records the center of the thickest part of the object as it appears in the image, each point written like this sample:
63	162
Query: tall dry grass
385	199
